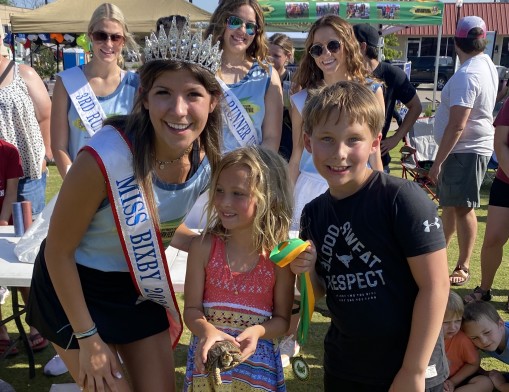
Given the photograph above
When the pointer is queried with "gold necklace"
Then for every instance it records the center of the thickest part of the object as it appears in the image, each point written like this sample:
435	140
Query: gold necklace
162	164
235	289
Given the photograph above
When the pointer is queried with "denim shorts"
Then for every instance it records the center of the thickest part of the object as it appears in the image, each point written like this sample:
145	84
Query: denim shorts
461	179
33	191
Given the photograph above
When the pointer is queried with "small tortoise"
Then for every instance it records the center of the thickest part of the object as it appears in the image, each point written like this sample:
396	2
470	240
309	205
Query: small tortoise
223	355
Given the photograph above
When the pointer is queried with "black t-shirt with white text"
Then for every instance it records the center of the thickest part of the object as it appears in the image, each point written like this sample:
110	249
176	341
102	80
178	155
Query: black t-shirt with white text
363	242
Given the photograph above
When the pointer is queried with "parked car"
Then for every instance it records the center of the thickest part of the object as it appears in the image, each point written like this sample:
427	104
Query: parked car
423	70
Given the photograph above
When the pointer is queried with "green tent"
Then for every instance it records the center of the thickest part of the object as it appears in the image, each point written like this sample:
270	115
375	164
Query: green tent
281	15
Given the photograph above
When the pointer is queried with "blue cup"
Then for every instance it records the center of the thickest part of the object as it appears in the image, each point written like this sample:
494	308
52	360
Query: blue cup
17	219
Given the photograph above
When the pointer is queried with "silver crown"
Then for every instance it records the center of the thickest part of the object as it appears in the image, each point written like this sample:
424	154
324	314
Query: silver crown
182	46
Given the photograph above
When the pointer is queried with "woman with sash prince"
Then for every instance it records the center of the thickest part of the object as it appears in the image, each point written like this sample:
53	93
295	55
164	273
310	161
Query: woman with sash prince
84	96
252	89
253	107
101	285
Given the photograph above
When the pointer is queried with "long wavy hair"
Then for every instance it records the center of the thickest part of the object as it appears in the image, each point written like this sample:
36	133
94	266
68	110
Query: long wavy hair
309	75
140	131
259	49
108	11
270	187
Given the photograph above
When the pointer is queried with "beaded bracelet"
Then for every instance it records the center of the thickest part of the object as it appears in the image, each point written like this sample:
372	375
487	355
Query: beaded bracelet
86	334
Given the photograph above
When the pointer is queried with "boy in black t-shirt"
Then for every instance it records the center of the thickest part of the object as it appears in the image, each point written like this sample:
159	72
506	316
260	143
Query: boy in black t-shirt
379	254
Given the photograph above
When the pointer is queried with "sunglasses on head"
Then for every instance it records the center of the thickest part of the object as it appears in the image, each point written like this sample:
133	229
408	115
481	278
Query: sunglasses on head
102	36
234	23
317	49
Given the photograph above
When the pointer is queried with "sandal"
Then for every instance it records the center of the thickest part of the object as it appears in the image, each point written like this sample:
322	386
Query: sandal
477	295
4	346
459	276
37	342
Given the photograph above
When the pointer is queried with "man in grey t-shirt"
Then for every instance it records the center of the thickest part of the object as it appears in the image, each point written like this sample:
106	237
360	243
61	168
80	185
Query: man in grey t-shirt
464	131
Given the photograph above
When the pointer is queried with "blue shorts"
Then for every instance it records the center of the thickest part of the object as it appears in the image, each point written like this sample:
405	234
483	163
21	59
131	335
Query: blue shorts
33	191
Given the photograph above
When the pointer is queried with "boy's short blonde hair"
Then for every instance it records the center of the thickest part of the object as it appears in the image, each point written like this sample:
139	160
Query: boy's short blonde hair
454	307
346	98
475	311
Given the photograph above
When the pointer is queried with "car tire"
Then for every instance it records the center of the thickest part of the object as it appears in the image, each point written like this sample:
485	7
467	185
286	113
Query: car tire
441	81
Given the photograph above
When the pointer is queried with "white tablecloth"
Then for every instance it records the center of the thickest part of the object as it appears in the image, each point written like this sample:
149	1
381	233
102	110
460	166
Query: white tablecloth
12	272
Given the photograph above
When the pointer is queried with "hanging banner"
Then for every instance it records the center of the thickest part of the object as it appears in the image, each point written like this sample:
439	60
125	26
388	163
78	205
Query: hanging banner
289	15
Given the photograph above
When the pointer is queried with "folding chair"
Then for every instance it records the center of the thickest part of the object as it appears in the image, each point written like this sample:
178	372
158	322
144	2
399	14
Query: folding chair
418	154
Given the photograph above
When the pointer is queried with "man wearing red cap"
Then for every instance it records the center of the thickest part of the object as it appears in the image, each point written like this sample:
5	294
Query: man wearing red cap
464	131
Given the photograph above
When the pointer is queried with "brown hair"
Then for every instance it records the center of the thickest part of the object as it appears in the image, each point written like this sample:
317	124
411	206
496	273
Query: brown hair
345	98
258	49
472	45
284	42
309	75
476	310
140	130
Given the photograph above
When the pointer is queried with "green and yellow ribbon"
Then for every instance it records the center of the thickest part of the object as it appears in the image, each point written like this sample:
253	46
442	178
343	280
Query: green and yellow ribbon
284	254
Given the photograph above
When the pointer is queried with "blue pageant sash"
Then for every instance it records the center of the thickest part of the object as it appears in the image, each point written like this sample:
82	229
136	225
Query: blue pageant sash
83	98
139	235
237	118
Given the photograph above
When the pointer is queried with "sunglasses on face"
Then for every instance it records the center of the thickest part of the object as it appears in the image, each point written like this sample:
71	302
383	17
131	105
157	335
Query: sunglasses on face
317	49
102	36
234	23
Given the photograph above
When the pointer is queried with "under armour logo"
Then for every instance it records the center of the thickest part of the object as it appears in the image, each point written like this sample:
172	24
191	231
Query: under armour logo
345	259
427	225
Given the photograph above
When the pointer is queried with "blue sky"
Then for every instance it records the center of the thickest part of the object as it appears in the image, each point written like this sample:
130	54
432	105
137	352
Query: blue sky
206	4
209	5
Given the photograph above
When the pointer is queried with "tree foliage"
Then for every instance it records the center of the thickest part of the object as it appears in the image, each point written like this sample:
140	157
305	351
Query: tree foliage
32	4
390	42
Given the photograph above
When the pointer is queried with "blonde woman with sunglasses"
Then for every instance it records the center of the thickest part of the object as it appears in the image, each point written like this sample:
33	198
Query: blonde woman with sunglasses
331	55
101	82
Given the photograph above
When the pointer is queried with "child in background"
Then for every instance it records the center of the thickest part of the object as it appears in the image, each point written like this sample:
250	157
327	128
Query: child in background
232	290
10	173
464	360
483	324
281	53
380	257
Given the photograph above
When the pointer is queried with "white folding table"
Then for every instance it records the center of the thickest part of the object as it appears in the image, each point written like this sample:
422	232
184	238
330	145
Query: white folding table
15	274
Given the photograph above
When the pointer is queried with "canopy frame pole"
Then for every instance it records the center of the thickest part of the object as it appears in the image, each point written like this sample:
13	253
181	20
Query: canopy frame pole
439	43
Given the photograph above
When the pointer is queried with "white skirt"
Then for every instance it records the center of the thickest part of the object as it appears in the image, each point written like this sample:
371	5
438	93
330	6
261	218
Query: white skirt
197	217
308	187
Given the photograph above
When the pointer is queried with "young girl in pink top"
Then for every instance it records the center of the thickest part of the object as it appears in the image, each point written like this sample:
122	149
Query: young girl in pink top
233	291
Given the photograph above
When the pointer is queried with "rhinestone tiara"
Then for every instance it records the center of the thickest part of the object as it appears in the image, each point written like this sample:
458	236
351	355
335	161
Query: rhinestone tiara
183	46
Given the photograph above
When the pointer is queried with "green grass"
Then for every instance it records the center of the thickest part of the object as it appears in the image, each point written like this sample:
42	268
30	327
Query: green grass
15	370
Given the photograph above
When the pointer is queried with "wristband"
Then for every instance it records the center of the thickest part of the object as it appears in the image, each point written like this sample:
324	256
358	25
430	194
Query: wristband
86	334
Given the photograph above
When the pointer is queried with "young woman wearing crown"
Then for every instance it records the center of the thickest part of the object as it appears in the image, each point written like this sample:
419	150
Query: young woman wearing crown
101	287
